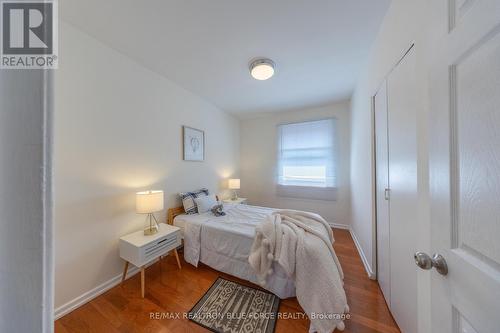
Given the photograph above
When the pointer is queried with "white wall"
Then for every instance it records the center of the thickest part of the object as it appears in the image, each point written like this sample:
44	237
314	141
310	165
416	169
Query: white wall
26	277
259	155
117	131
403	25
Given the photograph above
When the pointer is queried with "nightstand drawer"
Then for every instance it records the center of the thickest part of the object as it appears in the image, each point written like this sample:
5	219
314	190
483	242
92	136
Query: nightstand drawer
140	250
162	245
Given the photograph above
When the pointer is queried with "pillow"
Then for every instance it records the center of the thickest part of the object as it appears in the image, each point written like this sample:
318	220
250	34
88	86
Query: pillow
205	203
188	200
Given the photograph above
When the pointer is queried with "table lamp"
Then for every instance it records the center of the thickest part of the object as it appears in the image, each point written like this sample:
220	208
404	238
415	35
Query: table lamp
234	184
149	202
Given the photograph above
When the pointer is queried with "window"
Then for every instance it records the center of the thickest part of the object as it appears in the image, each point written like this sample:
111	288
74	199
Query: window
307	156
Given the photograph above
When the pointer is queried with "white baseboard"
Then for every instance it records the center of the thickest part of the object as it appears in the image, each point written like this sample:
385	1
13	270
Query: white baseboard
91	294
368	268
340	226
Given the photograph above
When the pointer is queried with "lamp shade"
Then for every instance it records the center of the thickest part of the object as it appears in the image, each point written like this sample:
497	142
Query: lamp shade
148	202
234	184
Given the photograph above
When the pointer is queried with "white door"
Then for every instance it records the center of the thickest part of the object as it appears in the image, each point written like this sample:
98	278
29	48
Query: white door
403	106
382	196
465	164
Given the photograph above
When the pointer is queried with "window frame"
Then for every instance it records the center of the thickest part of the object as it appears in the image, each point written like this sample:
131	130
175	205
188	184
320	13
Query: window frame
328	193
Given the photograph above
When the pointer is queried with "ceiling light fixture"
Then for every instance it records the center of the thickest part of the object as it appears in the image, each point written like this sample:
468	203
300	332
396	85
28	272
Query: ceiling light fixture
262	69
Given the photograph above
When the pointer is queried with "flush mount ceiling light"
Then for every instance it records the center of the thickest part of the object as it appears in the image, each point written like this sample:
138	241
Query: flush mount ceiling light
262	69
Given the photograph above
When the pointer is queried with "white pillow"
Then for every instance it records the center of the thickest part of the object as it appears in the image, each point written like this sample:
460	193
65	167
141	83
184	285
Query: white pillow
205	203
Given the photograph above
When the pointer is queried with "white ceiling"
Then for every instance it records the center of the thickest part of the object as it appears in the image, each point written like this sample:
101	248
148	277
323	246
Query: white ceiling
205	45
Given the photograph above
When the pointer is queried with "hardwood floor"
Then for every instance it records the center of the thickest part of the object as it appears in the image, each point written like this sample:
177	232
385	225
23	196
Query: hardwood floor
170	290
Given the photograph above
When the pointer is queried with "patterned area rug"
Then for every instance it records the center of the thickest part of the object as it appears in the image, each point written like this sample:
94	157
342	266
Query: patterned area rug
229	307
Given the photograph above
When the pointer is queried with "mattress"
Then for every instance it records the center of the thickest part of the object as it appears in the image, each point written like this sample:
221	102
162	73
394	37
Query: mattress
240	219
225	243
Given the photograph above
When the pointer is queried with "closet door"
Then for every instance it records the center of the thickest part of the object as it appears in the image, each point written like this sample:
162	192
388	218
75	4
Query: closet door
403	104
382	195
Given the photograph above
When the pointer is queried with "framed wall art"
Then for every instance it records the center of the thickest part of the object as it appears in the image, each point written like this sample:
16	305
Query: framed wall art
193	144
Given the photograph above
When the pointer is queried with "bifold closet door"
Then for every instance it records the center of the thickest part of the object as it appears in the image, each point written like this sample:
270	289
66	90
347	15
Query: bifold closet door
382	186
403	104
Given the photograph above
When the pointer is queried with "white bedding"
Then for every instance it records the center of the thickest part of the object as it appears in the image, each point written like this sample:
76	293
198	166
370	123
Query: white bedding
224	244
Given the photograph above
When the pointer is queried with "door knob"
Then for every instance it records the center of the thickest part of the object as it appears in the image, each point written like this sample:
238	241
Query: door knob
437	261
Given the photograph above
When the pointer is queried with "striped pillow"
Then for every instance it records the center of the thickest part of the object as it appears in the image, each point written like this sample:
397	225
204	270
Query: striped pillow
188	200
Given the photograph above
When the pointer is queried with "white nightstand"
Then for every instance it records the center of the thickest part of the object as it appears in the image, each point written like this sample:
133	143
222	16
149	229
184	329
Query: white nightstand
139	250
242	201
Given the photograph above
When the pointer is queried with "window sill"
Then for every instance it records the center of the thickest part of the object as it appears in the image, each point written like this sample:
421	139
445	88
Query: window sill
307	192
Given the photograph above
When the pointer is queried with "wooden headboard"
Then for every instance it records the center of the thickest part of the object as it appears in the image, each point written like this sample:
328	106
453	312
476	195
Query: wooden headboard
173	212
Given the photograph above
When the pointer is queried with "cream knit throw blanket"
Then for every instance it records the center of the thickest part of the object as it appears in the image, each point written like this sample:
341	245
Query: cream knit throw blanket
301	243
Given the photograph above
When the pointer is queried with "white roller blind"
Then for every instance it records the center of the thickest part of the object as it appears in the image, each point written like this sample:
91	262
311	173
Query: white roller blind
307	155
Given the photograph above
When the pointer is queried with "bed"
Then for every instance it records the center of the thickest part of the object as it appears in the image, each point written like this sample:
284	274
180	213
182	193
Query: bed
224	243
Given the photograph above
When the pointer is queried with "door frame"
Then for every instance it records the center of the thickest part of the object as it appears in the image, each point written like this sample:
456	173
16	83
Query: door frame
48	236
